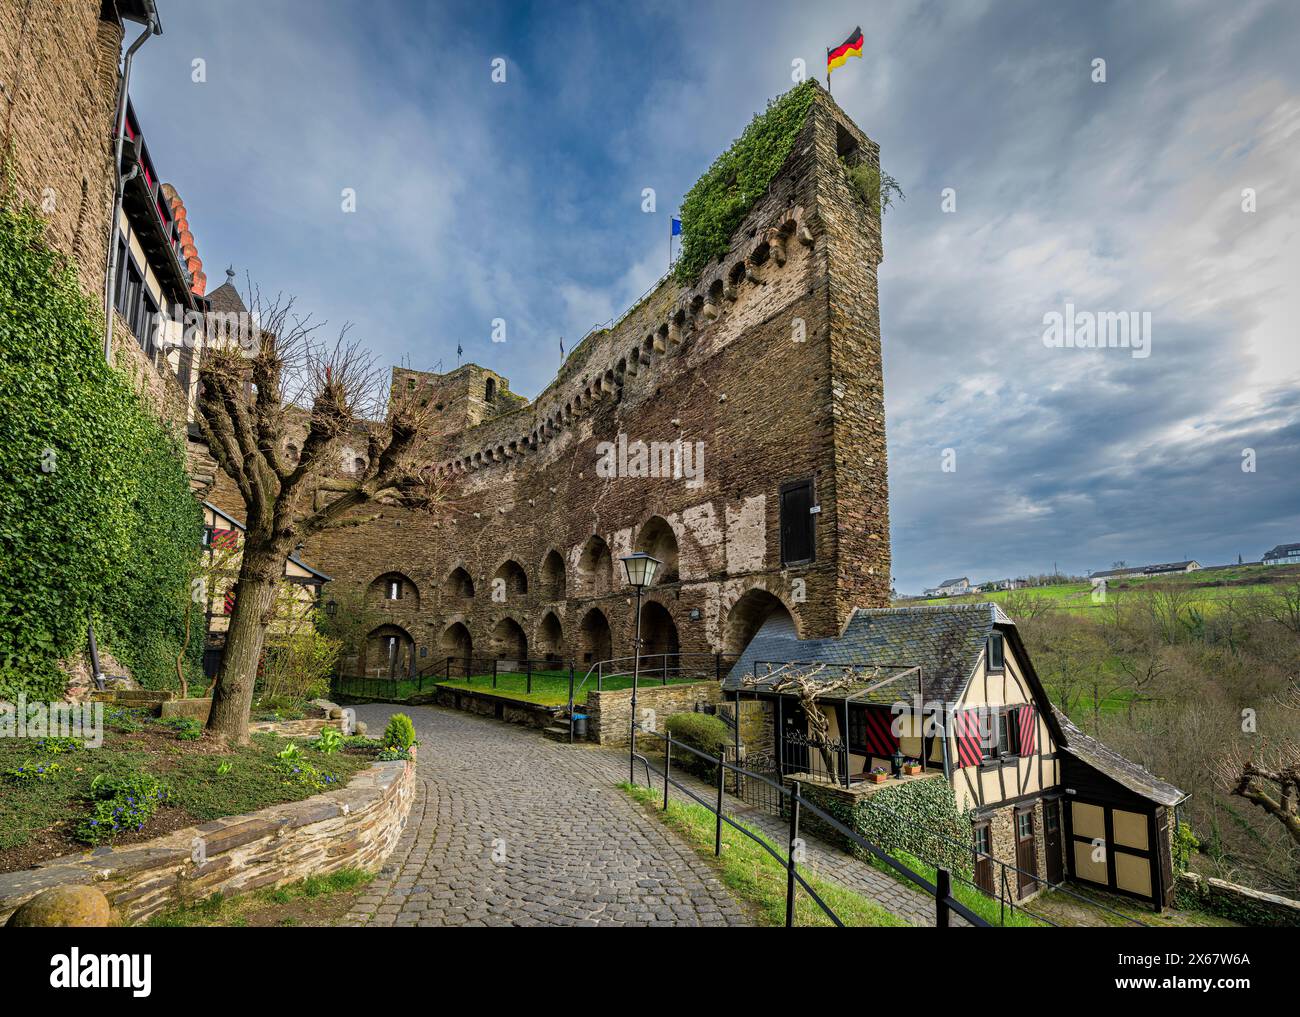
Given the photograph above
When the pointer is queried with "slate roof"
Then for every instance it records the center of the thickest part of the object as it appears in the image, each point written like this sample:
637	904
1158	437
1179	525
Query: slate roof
945	640
953	582
1136	778
225	298
1282	551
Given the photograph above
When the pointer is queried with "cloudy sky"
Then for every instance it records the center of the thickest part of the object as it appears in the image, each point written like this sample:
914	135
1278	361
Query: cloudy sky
521	200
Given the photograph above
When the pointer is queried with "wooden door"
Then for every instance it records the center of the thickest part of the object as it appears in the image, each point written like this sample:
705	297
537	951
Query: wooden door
793	738
1026	854
1052	840
983	863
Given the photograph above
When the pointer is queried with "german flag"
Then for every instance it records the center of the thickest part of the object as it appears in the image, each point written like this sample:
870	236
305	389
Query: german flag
850	47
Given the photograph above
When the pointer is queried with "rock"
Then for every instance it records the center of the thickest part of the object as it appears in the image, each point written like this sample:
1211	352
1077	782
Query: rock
63	907
359	728
336	713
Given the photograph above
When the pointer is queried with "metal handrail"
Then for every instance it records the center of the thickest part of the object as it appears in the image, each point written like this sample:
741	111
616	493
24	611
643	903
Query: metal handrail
598	669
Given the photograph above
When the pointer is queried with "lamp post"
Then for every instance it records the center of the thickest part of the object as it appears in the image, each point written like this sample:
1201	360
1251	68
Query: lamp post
640	568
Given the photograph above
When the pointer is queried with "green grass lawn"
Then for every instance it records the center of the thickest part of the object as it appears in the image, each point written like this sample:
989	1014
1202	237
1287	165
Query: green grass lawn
316	900
549	688
757	878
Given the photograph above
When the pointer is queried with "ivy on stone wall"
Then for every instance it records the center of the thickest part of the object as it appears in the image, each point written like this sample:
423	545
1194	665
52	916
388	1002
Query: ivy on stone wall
723	196
96	514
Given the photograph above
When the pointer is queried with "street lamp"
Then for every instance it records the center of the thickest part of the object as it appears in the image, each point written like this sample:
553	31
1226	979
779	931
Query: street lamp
640	568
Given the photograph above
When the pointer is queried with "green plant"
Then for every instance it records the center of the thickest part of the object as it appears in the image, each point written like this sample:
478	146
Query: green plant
329	742
400	733
96	515
30	773
120	804
701	731
876	189
298	772
289	753
224	768
52	746
187	728
1185	843
719	201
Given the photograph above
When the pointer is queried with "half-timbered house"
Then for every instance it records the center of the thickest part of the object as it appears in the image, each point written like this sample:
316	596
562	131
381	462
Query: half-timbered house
953	689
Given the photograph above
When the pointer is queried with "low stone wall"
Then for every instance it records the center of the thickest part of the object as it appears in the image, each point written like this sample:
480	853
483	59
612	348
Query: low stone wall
485	704
353	827
1239	903
609	712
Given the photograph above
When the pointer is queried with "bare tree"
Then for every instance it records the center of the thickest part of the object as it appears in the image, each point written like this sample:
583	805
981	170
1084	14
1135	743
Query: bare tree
251	394
809	684
1269	778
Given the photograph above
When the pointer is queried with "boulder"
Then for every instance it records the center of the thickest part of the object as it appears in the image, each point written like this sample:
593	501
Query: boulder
63	907
194	709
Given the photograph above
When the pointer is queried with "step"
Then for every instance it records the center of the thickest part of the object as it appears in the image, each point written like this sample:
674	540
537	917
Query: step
556	732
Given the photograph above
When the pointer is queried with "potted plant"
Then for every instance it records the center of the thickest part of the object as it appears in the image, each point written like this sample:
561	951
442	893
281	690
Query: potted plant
912	767
878	775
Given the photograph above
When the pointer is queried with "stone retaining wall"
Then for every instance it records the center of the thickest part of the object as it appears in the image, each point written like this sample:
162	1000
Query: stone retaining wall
610	712
513	711
1240	903
354	827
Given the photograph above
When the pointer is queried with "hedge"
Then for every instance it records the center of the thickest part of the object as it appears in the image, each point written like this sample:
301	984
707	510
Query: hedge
701	731
96	514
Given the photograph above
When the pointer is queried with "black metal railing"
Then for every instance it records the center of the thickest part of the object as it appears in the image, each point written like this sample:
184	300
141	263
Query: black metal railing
649	669
945	904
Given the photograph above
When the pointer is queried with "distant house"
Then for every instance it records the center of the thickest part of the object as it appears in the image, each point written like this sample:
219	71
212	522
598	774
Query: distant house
1283	554
950	588
1143	571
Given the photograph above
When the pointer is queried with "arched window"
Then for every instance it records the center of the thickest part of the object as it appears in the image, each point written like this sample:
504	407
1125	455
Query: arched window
595	568
656	538
509	641
490	390
550	638
393	589
659	641
510	580
553	580
594	639
459	585
390	652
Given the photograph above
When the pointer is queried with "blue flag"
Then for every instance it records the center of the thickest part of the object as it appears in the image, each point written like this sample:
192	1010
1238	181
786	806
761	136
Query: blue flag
677	226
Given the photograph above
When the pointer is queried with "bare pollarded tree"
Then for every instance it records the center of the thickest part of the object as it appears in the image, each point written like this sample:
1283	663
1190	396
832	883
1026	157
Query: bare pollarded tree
252	392
1269	777
808	684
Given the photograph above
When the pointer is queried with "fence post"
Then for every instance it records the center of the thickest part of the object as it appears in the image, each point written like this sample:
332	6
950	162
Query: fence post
448	669
495	661
668	765
600	672
665	681
789	864
942	888
717	666
529	677
717	832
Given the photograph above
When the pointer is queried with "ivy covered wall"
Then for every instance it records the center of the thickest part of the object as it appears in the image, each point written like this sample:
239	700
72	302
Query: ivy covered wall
96	514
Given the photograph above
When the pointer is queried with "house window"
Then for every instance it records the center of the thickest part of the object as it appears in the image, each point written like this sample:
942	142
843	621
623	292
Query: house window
1024	825
996	653
982	846
797	546
490	390
394	590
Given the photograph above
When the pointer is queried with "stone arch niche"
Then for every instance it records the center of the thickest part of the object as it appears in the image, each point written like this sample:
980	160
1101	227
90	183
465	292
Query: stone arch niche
595	568
459	586
393	590
658	635
509	641
456	642
594	639
757	609
553	582
511	579
389	653
657	538
550	638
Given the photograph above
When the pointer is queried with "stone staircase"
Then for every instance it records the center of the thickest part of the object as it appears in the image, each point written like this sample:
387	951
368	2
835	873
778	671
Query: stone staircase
558	731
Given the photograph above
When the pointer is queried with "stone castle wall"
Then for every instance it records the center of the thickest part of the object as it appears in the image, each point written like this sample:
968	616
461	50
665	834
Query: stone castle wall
58	94
771	360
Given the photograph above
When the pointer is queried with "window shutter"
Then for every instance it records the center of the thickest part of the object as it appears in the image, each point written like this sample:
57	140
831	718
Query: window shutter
229	602
1028	718
879	738
970	751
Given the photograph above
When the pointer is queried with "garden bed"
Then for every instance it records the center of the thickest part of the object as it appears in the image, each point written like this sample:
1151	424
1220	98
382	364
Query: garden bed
43	813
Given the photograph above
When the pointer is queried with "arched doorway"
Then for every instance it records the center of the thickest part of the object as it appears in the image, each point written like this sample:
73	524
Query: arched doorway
390	653
455	642
553	581
656	538
595	568
550	638
658	635
594	639
509	641
756	609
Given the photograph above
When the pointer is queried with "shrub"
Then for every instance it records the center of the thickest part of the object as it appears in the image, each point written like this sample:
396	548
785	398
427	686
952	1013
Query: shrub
96	515
30	773
329	742
1185	843
296	666
877	190
715	206
52	746
121	804
187	728
701	731
400	733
